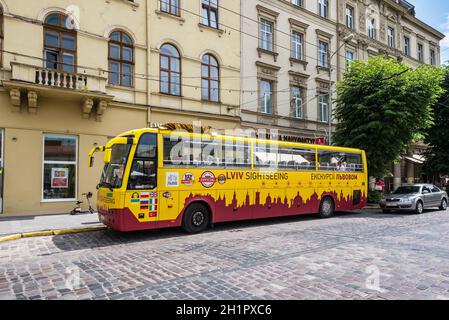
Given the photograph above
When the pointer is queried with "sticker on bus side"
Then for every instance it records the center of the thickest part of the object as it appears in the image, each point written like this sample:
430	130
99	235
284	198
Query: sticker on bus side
207	179
188	179
172	179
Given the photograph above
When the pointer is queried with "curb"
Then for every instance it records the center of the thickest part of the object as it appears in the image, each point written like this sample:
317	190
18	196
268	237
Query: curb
49	233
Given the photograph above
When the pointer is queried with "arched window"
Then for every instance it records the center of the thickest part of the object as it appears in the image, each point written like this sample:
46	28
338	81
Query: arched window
59	43
121	59
170	70
210	77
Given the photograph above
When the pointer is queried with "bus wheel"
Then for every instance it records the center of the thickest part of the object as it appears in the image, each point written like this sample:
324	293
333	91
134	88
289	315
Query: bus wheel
196	218
327	207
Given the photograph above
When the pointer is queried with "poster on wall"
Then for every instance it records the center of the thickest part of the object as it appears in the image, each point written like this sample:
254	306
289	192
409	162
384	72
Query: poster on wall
60	178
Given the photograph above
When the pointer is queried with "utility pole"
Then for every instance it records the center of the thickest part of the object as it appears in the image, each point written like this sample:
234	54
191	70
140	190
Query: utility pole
330	104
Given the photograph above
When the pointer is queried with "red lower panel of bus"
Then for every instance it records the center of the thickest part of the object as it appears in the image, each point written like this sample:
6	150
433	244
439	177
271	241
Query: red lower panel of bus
124	220
272	207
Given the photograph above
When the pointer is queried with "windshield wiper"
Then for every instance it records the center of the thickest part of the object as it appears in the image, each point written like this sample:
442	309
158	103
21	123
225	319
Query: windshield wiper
105	184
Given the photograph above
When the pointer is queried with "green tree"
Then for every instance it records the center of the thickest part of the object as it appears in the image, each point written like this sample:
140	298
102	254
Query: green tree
438	135
382	105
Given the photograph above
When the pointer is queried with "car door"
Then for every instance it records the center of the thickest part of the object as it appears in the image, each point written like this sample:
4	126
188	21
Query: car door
427	196
436	196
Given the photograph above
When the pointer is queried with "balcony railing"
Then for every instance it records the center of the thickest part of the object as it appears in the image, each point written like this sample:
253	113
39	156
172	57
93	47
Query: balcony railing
53	78
57	79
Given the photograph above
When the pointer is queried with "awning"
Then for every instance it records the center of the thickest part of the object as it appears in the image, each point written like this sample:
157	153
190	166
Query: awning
416	159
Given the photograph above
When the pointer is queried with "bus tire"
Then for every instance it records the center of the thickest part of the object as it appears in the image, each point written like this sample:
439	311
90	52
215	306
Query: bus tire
327	208
196	218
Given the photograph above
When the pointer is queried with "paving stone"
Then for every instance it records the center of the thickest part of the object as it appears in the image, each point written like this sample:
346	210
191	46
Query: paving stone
353	256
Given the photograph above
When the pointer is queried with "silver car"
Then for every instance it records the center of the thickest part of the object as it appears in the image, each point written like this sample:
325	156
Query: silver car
415	198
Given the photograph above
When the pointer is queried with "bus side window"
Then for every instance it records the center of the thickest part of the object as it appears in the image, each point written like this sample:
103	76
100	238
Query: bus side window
340	161
296	159
177	152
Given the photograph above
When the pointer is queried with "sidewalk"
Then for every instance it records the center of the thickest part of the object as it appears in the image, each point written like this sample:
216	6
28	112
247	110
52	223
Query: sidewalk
30	224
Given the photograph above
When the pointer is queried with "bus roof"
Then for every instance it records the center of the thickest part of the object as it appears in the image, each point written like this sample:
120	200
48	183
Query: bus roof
165	131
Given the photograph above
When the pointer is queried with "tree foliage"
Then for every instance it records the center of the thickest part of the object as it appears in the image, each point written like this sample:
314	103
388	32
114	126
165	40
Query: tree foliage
438	135
382	105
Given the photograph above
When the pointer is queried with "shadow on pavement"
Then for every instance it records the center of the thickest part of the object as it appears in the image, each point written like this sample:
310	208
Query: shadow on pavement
104	238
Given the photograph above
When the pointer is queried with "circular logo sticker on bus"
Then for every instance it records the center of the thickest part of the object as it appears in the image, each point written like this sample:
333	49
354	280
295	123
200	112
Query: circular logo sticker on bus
222	179
207	179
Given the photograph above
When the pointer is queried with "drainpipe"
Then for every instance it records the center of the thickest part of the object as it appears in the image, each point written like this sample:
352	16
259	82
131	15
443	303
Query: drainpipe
148	40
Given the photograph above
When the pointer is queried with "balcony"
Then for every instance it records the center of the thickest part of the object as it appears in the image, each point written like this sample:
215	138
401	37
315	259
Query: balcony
28	81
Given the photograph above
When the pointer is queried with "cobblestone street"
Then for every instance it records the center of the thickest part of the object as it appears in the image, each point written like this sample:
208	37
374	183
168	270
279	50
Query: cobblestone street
368	255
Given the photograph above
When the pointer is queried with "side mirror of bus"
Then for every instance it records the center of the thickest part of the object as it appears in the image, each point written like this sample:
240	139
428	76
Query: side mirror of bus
91	162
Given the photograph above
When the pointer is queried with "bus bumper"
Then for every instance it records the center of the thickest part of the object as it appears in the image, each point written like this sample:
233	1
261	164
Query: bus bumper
124	220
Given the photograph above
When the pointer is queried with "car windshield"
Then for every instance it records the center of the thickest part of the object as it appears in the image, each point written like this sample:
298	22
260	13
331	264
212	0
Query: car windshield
113	172
407	190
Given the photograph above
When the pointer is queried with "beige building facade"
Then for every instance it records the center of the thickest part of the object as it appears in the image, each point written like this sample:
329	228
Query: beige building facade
295	50
286	75
303	47
385	27
76	73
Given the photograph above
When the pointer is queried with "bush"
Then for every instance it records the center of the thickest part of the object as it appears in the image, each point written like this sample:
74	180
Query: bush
374	196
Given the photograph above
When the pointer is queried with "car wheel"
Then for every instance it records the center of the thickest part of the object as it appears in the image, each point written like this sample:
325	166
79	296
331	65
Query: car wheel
327	207
443	206
196	218
419	207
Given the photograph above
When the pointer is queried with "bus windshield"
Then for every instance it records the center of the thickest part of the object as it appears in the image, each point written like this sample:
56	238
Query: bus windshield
113	172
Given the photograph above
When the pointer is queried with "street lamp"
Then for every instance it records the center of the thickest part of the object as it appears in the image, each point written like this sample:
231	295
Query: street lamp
349	37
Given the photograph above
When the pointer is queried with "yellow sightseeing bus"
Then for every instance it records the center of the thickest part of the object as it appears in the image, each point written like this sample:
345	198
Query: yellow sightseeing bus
159	178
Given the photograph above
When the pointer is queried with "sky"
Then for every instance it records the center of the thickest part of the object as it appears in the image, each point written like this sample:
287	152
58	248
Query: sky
436	14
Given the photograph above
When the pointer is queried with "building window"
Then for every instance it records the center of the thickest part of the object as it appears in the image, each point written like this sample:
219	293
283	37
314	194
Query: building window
323	54
266	35
432	57
407	46
209	13
391	37
121	59
266	96
420	52
297	102
372	28
350	56
59	44
350	17
297	3
210	75
171	7
323	107
323	7
59	168
297	45
170	70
